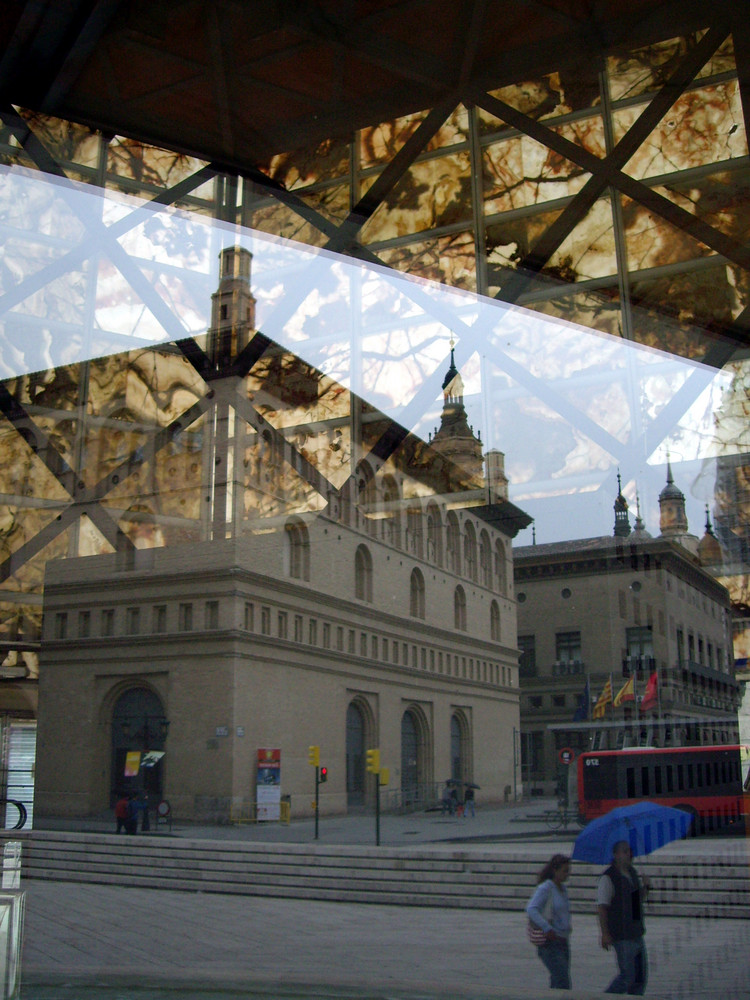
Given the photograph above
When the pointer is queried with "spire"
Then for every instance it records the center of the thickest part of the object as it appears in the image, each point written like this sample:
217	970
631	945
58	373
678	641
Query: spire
672	517
640	529
453	386
709	550
622	521
455	439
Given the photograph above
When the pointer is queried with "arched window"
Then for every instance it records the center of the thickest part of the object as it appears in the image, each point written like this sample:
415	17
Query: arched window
392	520
456	770
459	609
495	621
363	574
485	559
501	579
298	550
414	543
355	755
416	594
461	757
434	535
470	551
453	543
368	496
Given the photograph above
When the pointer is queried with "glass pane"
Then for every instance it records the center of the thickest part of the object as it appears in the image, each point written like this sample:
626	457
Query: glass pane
704	126
568	90
519	172
448	259
434	192
638	71
302	167
378	145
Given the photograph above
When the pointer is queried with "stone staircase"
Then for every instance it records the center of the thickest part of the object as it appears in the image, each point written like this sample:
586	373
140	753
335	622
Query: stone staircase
468	877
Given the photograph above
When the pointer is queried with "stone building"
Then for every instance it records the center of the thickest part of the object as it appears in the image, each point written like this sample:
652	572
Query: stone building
562	195
609	609
376	614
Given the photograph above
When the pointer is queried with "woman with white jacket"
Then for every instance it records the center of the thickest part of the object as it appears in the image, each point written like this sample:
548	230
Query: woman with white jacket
548	911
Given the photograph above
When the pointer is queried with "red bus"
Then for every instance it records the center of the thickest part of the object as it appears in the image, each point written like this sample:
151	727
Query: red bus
705	781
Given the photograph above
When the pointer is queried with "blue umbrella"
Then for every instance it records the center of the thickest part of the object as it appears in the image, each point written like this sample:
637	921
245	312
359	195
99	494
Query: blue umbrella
646	826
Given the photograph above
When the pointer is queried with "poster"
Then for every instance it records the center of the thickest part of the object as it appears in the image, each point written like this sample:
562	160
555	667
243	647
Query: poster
132	763
268	785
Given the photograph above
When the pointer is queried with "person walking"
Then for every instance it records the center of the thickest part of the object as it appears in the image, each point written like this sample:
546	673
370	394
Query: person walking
548	911
121	813
620	897
469	802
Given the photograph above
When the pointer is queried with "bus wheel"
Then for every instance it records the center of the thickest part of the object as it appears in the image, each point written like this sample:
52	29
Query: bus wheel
696	826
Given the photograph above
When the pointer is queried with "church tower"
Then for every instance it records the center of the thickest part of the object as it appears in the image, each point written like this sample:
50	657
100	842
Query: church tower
232	308
455	439
673	518
622	521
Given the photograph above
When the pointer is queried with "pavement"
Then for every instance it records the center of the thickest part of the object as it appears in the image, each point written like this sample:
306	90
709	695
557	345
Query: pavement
93	942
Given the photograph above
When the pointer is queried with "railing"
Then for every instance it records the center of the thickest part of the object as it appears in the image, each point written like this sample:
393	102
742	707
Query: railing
634	664
565	668
416	798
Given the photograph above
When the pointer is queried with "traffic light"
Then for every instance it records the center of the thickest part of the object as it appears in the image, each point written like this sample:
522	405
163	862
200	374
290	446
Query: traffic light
313	756
323	774
373	761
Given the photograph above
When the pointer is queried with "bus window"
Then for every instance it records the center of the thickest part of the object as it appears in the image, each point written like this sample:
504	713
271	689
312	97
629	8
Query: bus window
698	775
689	775
657	781
681	777
644	781
717	776
630	779
670	777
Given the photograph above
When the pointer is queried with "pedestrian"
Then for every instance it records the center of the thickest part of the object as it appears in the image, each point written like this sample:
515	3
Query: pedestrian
620	899
145	818
121	813
469	801
131	823
447	803
548	911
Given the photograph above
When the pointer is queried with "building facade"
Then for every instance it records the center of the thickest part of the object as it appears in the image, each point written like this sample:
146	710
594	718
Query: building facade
287	613
607	610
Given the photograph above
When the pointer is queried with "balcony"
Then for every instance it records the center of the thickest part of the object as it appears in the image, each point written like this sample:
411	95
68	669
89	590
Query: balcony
567	668
638	665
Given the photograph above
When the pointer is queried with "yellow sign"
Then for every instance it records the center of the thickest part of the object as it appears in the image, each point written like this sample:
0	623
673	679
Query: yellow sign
132	763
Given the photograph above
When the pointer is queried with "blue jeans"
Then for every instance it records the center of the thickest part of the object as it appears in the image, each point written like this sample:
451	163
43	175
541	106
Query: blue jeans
556	956
632	962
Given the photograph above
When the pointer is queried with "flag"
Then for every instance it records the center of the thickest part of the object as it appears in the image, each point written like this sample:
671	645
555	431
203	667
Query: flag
626	693
581	713
603	700
649	699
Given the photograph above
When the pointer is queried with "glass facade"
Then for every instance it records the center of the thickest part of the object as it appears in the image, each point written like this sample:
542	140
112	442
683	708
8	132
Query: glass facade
454	405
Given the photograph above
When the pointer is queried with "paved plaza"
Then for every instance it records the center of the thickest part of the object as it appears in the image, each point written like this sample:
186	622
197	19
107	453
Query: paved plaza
87	935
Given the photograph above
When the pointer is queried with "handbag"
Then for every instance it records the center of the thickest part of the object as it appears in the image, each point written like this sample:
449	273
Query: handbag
535	934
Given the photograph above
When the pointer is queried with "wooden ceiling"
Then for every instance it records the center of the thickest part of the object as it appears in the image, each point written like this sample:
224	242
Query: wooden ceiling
235	82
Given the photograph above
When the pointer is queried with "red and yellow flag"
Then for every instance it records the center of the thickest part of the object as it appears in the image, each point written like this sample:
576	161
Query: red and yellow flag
626	693
603	700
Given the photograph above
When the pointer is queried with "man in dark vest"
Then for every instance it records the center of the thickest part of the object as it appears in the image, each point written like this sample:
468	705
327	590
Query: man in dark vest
620	899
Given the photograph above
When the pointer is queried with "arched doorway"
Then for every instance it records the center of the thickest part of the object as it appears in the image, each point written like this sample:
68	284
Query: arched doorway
456	762
414	776
139	725
355	756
